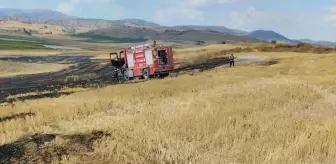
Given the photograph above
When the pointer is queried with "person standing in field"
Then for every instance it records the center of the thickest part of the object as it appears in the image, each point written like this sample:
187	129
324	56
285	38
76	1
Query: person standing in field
231	60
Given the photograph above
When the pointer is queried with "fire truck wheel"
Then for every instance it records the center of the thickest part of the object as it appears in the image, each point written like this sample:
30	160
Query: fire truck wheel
125	74
145	73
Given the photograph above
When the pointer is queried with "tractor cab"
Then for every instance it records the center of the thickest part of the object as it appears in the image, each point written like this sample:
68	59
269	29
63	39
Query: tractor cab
117	60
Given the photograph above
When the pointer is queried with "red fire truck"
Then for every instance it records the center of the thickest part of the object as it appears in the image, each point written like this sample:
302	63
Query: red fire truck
143	61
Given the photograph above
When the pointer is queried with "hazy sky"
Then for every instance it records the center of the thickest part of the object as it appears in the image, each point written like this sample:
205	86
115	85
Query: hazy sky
315	19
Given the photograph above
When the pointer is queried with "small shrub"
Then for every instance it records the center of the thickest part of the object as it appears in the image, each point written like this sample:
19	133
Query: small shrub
27	32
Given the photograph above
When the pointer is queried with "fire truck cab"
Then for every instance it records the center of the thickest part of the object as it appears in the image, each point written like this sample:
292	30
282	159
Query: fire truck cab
143	61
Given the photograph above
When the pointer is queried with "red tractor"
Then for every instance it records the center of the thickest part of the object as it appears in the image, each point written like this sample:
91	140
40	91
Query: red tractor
143	61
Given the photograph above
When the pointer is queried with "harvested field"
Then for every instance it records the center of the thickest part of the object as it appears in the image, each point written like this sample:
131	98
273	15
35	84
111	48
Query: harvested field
204	51
17	68
281	112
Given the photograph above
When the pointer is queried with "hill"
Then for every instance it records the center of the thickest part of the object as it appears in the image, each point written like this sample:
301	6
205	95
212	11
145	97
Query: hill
323	43
267	35
3	14
167	33
45	21
60	19
138	22
16	27
222	29
36	19
33	14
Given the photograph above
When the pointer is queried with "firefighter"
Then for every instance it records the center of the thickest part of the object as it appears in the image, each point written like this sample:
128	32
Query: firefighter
231	60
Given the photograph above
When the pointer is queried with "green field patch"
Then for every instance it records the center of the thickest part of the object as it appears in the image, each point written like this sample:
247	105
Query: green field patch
106	39
23	38
19	45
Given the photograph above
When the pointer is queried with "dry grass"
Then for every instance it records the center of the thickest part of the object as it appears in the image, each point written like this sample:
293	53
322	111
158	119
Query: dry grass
281	113
187	53
16	68
40	28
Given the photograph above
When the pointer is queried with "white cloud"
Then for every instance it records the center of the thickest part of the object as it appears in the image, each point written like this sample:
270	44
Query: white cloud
253	18
185	11
180	14
118	12
247	20
65	7
293	24
68	6
331	17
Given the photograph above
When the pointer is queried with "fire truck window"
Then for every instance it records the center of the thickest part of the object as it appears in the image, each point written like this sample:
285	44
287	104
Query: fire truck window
163	59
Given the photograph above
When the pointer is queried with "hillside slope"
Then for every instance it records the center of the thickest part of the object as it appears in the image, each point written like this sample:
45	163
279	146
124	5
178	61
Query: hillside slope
138	22
323	43
266	35
58	18
66	23
3	14
222	29
167	33
33	14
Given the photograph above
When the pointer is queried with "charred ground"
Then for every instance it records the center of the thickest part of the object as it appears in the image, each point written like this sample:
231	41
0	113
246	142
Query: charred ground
35	148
